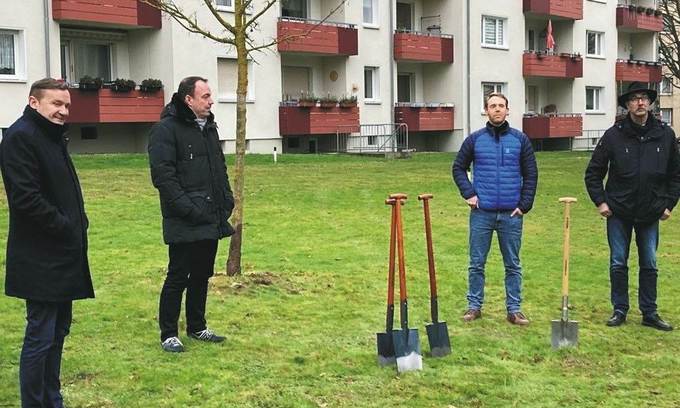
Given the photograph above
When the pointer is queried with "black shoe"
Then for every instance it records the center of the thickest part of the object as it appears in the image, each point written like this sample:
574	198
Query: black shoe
653	320
617	319
207	335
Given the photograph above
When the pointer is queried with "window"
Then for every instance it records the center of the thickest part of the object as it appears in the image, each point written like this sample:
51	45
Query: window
493	32
371	84
89	52
371	12
294	8
227	5
227	76
666	86
593	98
595	43
491	87
667	115
12	59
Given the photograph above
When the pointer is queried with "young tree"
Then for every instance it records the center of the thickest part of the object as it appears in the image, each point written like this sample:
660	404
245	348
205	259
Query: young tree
239	35
669	38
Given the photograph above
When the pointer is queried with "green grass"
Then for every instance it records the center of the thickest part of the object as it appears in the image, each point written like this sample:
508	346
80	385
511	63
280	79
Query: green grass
301	321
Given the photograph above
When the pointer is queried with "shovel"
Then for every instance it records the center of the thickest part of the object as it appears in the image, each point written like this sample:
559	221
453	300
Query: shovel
406	342
437	332
565	331
384	340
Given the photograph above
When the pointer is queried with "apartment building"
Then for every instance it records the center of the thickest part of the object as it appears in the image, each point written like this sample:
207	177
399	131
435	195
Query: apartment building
409	73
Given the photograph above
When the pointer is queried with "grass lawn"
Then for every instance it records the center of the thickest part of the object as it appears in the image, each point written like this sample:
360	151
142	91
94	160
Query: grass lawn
301	321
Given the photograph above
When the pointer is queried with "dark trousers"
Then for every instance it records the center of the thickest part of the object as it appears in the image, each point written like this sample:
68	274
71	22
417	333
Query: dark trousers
619	234
190	266
47	324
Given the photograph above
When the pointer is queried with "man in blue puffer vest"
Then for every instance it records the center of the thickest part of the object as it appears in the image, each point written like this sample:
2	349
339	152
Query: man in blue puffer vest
502	191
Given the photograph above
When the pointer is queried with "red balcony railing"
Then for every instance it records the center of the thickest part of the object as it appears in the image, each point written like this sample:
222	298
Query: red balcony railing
632	18
642	71
423	47
313	37
568	9
424	117
118	13
538	64
553	125
298	120
107	106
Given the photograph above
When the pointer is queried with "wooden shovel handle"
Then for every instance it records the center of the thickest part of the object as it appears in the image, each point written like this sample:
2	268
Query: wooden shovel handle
425	198
400	247
565	259
398	196
391	265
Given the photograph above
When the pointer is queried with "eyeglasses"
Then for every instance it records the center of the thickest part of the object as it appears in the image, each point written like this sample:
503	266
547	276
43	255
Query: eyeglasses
642	98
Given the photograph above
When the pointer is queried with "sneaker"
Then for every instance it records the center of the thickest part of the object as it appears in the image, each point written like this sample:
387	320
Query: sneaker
172	345
472	314
206	335
518	318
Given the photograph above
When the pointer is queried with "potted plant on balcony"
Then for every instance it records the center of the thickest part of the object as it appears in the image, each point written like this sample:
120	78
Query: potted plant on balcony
649	11
657	13
123	85
87	83
328	101
348	101
306	100
641	9
576	57
151	85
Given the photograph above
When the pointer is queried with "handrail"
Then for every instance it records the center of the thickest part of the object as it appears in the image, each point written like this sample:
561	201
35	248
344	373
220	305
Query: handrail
422	33
313	21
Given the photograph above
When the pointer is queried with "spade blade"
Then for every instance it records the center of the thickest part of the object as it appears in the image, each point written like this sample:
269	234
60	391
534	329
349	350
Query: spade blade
438	337
564	333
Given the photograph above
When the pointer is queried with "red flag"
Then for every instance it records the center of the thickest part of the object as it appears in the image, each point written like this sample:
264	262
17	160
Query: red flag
549	40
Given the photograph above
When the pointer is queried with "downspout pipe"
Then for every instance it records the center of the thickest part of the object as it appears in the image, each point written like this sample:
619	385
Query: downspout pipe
467	70
46	15
392	64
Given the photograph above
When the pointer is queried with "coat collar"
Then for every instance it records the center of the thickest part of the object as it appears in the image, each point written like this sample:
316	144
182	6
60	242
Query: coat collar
626	126
53	130
178	109
498	131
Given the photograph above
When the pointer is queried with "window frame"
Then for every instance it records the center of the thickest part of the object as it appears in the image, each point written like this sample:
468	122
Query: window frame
375	14
599	44
375	85
499	87
20	61
230	97
505	43
669	81
670	114
222	7
598	97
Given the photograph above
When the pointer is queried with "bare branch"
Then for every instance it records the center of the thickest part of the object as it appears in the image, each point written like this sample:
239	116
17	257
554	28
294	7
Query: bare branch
218	16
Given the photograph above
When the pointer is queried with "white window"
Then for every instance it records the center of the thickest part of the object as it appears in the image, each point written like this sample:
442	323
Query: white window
294	8
594	98
227	80
491	87
494	31
666	86
371	85
595	44
226	5
667	115
12	55
370	12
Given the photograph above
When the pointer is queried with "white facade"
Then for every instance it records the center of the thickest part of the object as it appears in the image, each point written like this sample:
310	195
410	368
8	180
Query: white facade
171	53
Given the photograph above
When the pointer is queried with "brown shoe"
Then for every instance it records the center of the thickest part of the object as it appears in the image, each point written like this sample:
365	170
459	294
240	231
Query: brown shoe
472	314
518	318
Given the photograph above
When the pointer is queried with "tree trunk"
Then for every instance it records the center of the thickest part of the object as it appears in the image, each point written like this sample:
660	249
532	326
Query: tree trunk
234	260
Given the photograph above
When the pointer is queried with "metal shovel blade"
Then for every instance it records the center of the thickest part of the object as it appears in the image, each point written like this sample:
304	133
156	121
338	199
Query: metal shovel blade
564	333
407	350
438	336
385	342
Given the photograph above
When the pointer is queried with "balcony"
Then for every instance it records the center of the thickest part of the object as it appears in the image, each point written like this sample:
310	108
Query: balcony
421	117
315	120
540	64
642	71
107	13
564	9
553	125
638	19
107	106
314	37
423	47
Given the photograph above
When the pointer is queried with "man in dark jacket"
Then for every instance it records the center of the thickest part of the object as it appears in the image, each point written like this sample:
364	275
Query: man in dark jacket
189	171
639	156
47	243
502	191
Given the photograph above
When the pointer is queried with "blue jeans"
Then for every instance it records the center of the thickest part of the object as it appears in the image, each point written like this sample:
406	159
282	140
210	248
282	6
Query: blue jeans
619	233
509	231
47	324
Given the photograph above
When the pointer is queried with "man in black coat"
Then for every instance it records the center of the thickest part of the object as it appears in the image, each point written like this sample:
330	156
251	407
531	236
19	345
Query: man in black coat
190	173
639	155
47	241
